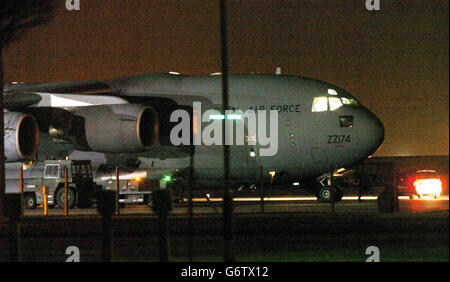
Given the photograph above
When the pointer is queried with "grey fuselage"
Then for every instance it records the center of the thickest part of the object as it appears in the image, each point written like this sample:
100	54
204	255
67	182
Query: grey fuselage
310	143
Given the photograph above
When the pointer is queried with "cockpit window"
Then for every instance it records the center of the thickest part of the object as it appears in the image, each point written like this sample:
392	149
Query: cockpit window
320	104
349	101
332	101
335	103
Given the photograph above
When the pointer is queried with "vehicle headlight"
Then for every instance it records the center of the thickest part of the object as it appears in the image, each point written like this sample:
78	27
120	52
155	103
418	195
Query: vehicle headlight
428	186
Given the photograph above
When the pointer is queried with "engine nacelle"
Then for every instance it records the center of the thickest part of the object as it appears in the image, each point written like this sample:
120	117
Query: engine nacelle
124	128
21	136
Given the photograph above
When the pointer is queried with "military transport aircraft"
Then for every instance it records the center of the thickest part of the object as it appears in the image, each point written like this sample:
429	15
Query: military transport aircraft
130	121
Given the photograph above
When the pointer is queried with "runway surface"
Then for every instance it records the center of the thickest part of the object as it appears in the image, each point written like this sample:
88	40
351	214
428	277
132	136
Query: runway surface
291	229
253	205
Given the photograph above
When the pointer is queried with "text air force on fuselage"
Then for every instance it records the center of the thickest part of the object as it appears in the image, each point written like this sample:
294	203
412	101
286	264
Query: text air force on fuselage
212	134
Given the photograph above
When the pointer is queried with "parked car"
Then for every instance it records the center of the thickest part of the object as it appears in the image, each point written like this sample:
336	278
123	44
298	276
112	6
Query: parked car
427	182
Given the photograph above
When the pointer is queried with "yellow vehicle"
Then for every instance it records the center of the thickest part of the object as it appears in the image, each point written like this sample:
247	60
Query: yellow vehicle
82	189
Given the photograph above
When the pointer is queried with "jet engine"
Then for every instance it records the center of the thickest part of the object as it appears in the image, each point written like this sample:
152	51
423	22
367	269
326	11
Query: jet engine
121	128
21	136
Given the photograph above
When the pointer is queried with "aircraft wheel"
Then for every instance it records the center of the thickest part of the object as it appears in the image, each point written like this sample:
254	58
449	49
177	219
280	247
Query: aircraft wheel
325	194
411	196
30	201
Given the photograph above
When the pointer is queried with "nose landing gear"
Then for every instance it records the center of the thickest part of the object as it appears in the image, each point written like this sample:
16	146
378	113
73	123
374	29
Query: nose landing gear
324	190
324	194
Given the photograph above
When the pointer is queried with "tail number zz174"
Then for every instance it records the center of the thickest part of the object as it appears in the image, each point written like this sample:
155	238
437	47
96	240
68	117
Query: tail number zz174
338	139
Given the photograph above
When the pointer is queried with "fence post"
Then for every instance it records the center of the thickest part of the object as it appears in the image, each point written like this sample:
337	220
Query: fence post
13	211
106	208
66	193
21	178
332	191
262	187
21	184
45	193
190	205
162	205
117	191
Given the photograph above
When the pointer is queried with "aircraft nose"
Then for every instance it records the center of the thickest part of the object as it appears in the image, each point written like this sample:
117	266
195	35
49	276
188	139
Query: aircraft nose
374	136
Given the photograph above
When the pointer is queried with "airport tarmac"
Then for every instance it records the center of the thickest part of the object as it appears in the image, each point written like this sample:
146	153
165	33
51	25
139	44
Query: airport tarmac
251	205
293	229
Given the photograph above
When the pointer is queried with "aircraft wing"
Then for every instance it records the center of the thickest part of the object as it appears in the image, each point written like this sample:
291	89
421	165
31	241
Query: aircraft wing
115	124
60	87
19	95
20	100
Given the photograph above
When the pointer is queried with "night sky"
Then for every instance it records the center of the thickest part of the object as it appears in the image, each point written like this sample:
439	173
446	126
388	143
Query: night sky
395	61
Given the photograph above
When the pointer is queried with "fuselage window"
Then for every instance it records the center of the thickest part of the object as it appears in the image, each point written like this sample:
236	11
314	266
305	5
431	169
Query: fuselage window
320	104
346	121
